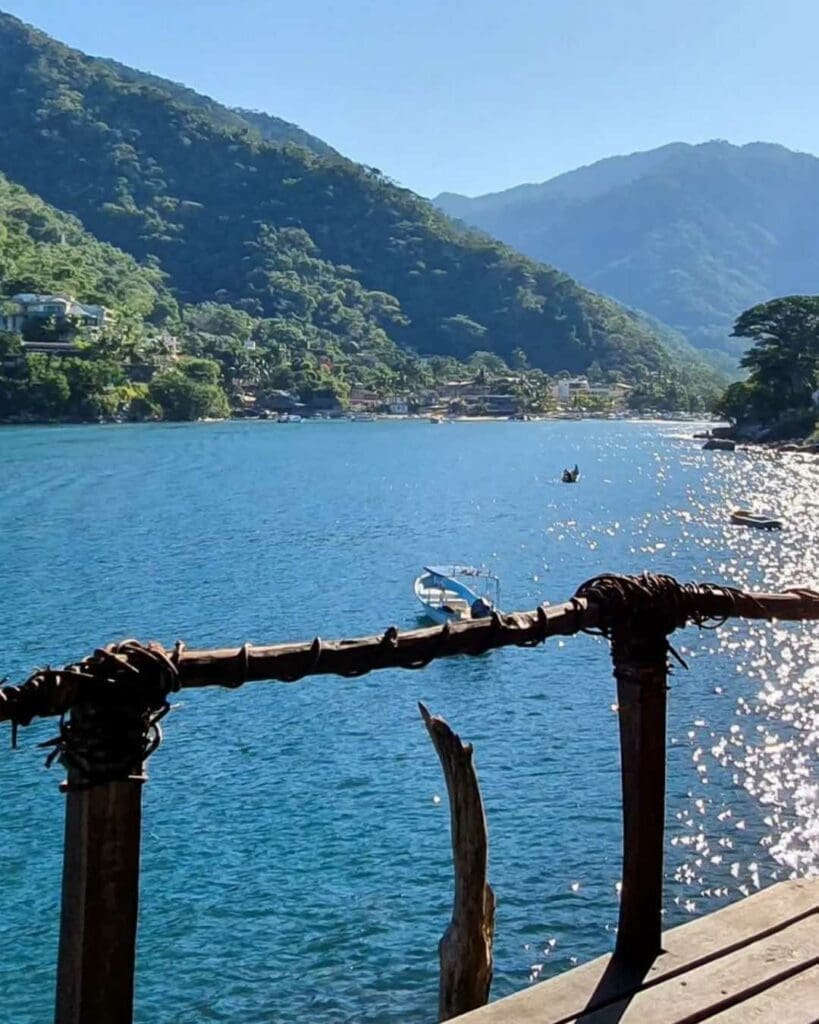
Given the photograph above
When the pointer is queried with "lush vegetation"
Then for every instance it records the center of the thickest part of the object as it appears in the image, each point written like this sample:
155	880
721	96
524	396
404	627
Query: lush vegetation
691	234
779	398
326	256
265	126
130	369
157	359
43	250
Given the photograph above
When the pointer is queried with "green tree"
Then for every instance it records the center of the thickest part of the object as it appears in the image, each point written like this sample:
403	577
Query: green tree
206	371
783	365
218	318
739	402
520	361
784	358
48	390
10	345
488	362
181	398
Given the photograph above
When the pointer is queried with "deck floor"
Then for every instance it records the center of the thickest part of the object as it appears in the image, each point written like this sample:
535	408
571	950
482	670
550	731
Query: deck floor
754	962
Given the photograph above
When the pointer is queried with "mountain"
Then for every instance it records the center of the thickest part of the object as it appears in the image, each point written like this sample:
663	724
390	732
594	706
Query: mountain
269	128
582	183
45	250
693	234
281	232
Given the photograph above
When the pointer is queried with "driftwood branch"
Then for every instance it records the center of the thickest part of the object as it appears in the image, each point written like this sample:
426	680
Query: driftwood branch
465	950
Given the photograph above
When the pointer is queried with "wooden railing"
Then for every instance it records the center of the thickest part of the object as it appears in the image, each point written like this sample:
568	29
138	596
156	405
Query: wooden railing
111	703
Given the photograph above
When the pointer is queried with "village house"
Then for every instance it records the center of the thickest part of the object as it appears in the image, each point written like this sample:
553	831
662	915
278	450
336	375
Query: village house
279	401
64	310
498	405
566	391
460	389
570	388
364	400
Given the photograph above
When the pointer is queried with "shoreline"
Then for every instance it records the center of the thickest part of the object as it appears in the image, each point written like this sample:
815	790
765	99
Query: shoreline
680	418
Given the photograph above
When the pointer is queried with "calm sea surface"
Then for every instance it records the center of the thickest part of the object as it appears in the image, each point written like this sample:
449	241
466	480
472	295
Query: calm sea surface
296	861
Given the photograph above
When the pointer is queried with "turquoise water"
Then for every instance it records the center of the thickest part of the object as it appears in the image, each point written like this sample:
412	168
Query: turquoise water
296	861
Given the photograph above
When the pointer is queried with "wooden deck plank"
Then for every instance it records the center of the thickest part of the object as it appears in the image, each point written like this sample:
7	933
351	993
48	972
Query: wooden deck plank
794	1001
699	994
564	997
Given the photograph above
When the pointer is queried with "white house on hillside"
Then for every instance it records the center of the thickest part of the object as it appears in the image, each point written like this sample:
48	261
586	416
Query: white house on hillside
31	308
567	390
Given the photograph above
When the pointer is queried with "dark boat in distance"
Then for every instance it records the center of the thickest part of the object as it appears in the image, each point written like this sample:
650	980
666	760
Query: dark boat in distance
742	517
571	476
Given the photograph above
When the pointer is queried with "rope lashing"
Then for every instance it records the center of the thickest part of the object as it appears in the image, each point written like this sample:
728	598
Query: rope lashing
114	724
654	606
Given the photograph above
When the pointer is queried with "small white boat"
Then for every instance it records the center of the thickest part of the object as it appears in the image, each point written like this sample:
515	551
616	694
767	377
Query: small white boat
290	417
457	592
742	517
363	417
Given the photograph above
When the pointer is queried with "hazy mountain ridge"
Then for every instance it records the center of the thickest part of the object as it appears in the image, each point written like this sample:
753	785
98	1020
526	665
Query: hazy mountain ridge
691	234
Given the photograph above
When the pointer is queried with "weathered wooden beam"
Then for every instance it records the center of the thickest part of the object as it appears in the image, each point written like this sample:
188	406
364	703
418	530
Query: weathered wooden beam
415	648
53	691
641	670
465	950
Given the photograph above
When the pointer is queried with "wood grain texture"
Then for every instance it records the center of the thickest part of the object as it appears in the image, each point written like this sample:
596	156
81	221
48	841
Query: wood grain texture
465	950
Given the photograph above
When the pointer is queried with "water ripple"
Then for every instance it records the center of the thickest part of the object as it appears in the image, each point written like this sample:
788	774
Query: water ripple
296	864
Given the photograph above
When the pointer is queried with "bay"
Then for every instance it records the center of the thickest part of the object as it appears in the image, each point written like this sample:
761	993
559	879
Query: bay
296	862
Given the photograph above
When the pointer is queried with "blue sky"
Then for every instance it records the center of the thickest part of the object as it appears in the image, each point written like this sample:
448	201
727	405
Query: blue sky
477	95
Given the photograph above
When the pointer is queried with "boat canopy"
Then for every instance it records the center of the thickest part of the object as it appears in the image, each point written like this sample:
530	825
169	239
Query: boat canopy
450	571
452	578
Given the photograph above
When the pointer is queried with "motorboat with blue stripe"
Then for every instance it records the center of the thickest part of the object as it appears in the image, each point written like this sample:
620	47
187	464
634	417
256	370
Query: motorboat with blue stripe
457	592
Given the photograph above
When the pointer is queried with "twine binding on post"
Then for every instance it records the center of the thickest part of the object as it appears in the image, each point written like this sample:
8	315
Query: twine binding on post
651	605
116	727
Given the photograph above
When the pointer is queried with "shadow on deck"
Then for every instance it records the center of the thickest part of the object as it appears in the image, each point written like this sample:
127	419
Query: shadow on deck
753	962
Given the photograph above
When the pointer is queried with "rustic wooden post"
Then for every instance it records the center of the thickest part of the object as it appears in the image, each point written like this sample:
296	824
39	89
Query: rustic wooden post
641	670
465	949
104	745
95	973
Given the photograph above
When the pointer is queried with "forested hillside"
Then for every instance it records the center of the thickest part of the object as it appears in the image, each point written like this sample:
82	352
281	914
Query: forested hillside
157	358
308	243
272	129
44	250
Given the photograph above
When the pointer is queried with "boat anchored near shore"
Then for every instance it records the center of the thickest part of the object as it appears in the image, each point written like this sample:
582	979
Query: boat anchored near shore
457	592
